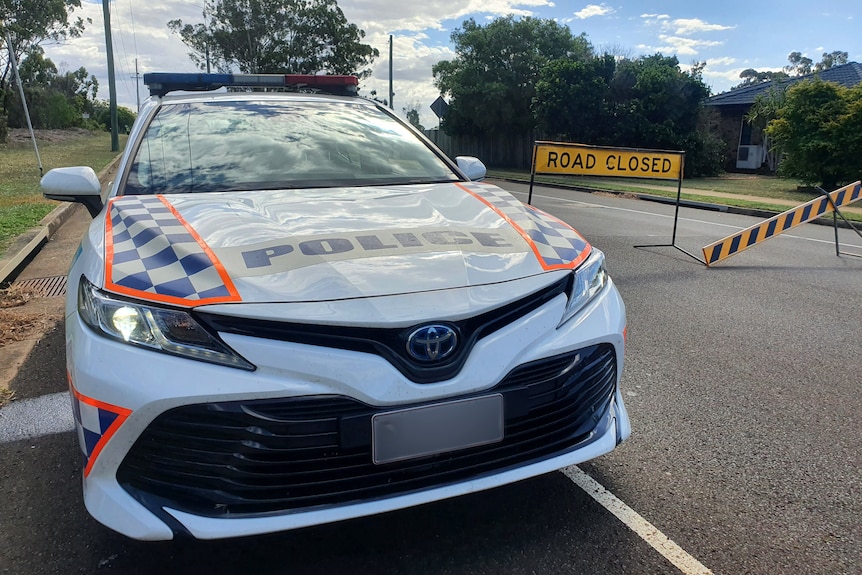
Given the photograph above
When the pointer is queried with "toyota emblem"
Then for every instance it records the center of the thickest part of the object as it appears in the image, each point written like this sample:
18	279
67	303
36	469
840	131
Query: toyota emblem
432	343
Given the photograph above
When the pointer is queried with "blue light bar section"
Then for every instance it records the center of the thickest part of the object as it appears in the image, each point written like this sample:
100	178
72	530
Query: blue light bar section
160	83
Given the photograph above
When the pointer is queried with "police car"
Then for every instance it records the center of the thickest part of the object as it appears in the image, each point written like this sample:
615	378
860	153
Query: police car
292	309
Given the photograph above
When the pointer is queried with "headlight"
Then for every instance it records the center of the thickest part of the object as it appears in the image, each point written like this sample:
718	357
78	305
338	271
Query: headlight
587	281
161	329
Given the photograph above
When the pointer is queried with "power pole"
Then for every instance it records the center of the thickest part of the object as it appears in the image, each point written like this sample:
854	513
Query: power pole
112	84
391	93
137	86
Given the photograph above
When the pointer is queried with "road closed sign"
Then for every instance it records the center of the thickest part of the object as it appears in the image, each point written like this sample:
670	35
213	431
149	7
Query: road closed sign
576	159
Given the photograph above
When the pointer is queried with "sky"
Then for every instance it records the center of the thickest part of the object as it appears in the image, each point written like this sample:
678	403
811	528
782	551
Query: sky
729	35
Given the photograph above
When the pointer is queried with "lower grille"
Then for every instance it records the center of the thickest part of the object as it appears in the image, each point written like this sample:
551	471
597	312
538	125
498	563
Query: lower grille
251	457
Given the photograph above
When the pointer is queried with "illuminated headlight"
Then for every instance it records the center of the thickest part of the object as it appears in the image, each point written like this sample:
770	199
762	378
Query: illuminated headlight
161	329
587	281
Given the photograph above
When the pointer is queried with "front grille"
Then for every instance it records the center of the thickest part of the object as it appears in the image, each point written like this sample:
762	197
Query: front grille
391	343
253	457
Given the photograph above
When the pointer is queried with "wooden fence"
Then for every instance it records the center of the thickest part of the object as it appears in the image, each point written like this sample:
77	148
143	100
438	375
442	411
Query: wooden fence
495	152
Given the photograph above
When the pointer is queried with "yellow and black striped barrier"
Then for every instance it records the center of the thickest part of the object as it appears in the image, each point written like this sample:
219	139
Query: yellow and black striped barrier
733	244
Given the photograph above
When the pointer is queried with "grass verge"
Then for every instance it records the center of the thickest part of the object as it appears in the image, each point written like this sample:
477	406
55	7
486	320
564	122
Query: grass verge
21	202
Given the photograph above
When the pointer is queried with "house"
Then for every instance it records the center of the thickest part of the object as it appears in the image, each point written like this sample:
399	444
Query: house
748	145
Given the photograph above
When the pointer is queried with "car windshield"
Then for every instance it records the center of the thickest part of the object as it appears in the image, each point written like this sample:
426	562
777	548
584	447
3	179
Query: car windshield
217	146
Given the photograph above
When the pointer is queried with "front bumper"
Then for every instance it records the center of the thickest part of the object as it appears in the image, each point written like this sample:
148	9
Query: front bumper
151	386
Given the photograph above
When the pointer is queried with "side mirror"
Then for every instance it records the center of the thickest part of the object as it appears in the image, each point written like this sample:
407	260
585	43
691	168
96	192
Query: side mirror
78	184
472	167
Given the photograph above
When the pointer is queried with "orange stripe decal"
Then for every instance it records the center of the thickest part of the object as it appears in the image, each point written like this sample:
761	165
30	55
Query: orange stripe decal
555	244
96	422
152	253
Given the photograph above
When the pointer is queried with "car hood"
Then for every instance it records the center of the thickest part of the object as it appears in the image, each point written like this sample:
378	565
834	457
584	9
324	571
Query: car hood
327	244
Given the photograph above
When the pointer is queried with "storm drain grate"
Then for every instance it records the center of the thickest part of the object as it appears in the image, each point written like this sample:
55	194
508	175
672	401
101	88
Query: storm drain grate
53	286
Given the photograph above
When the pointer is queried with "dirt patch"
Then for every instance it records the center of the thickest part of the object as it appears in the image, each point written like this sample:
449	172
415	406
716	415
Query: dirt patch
625	195
19	322
15	326
20	136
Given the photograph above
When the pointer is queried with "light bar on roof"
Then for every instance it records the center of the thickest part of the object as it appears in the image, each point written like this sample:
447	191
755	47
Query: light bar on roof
160	83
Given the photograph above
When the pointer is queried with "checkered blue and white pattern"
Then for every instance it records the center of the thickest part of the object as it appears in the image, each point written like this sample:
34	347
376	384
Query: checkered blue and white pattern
154	253
557	243
92	423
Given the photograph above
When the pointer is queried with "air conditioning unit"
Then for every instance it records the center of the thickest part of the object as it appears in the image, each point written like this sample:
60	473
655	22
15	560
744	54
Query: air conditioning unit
749	157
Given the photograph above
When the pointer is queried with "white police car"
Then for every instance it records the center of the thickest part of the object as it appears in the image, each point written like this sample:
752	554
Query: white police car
292	309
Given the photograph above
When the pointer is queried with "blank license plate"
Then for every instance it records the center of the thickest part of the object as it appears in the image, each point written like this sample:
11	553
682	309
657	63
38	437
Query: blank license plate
432	429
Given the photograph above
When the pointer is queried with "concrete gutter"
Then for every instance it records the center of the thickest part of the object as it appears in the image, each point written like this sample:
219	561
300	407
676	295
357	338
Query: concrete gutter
30	242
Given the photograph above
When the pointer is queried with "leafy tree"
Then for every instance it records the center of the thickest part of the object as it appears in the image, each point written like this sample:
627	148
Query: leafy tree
412	114
799	65
125	117
277	36
491	81
643	103
751	76
817	129
573	99
55	100
29	23
830	59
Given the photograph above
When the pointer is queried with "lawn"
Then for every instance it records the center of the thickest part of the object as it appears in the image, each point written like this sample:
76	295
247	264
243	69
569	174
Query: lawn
21	203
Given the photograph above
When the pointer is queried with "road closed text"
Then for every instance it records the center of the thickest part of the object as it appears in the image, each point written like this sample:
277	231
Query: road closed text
557	159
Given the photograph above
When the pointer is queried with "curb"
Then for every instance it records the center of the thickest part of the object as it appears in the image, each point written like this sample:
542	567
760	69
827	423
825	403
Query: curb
30	242
758	213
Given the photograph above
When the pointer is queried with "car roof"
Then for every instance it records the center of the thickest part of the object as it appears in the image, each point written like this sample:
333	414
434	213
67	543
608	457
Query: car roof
246	96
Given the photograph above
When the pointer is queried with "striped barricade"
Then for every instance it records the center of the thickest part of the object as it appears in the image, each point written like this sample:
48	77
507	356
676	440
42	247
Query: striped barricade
733	244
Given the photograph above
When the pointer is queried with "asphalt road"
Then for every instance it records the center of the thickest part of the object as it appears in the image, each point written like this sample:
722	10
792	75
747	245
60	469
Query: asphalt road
742	382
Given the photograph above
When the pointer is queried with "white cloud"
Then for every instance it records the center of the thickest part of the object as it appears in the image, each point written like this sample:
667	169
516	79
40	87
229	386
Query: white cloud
725	61
592	10
655	16
678	46
140	31
687	26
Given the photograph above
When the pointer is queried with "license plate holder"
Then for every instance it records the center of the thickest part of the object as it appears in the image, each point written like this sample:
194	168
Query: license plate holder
437	428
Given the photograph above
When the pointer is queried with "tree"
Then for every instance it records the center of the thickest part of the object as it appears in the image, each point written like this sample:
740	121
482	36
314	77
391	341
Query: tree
491	81
816	130
648	102
411	112
277	36
55	100
573	99
751	76
28	24
830	59
798	65
801	65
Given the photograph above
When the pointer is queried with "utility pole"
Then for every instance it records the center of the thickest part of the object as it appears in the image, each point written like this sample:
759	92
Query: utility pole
391	93
137	86
112	84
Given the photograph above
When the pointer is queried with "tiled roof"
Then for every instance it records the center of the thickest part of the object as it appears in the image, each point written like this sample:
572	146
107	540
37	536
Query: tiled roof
848	75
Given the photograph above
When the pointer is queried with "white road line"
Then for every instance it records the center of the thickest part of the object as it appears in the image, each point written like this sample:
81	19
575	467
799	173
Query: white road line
682	219
646	530
30	418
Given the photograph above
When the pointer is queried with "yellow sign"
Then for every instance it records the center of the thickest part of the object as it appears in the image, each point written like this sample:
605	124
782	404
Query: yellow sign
575	159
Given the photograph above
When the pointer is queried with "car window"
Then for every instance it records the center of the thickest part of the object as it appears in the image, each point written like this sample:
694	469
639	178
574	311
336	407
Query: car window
253	145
